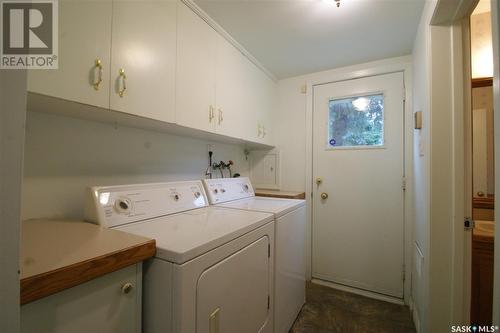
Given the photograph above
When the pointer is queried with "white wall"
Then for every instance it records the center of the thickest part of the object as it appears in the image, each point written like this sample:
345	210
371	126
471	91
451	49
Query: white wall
482	98
495	12
439	159
65	155
12	118
481	45
421	172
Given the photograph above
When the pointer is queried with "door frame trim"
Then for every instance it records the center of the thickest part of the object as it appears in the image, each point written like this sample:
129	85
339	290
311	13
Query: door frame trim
388	66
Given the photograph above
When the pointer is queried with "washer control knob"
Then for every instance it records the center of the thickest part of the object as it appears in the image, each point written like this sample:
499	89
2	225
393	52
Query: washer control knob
223	190
122	205
176	197
197	194
245	187
216	191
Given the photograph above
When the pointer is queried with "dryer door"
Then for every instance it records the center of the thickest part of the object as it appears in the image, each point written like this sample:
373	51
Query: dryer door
233	295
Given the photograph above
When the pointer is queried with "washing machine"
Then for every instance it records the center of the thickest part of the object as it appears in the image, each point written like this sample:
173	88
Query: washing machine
290	230
213	268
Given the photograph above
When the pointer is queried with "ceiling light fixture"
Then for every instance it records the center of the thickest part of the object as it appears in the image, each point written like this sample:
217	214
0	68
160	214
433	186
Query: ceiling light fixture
337	2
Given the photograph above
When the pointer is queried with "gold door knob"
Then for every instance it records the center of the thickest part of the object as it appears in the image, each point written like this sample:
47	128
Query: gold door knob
127	288
324	195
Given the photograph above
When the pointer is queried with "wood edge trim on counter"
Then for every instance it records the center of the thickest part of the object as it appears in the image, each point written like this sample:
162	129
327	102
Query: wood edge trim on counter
281	196
45	284
482	82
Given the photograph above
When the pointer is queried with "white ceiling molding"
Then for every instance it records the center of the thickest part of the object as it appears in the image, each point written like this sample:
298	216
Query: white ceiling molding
201	13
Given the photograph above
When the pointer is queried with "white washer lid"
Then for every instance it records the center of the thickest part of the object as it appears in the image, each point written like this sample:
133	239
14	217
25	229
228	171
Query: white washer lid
277	206
184	236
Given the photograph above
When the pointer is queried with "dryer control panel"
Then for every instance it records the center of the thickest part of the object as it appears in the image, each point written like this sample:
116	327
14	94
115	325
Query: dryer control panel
227	189
117	205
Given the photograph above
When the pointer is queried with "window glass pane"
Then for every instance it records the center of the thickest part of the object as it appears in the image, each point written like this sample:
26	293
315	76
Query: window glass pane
356	121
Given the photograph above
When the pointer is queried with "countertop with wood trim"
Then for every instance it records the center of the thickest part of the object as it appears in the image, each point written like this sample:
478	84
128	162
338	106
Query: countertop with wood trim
280	194
56	255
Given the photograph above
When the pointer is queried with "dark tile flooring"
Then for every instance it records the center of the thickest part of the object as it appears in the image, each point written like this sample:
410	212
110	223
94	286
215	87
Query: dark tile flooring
331	310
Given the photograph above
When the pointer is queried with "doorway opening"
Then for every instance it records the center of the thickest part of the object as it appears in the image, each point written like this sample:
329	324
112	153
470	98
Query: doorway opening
483	164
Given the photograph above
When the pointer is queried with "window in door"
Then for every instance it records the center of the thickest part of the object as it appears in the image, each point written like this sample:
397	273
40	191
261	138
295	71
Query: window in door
356	122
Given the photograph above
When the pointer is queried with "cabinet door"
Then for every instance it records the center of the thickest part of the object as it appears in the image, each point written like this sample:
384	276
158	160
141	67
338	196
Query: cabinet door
84	37
99	305
262	100
252	130
195	88
267	100
230	90
144	43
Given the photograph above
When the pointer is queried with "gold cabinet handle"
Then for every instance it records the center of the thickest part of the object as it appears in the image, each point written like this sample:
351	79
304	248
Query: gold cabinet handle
264	133
98	66
213	321
127	288
319	180
123	78
324	196
210	113
221	118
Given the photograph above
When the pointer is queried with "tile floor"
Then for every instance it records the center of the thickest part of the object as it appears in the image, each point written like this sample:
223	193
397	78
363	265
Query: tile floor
330	310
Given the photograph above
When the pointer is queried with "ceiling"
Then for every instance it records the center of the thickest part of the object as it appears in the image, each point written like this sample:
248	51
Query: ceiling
295	37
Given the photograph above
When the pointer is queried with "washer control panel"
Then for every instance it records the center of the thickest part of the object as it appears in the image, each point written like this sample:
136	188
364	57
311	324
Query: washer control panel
227	189
117	205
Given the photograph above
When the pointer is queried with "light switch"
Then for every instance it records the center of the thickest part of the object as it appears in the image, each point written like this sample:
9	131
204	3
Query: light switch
418	120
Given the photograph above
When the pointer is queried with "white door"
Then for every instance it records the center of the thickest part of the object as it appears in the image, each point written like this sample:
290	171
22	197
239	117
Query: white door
144	47
358	205
84	55
195	76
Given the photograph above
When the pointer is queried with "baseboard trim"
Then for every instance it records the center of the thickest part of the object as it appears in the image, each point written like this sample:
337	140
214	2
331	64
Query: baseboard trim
361	292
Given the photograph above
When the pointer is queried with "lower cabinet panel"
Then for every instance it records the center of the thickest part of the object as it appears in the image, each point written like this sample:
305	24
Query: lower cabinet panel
100	305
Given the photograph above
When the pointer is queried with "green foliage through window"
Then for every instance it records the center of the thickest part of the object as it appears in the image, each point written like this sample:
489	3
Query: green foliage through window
356	121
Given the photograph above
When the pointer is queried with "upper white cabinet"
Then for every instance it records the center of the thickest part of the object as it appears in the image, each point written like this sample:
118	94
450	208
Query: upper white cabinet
118	55
218	89
230	90
84	55
143	58
157	59
195	80
259	103
267	97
